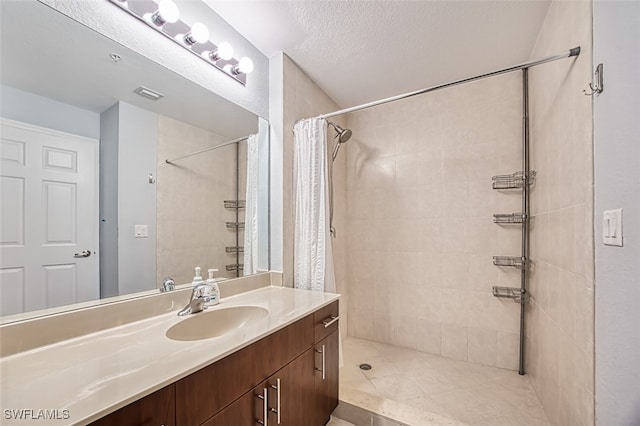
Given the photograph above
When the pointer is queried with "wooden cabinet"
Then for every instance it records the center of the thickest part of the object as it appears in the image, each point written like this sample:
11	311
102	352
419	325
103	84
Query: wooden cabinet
153	410
290	376
204	393
326	377
290	399
326	343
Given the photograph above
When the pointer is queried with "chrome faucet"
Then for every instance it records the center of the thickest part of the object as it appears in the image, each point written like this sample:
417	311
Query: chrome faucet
167	285
199	296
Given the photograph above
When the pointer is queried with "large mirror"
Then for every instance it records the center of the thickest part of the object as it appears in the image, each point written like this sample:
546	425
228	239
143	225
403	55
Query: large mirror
90	206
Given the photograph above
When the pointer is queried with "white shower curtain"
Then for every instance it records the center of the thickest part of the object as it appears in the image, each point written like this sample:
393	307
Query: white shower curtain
251	210
313	259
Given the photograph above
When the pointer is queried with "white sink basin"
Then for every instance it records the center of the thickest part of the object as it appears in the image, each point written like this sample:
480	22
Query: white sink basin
215	322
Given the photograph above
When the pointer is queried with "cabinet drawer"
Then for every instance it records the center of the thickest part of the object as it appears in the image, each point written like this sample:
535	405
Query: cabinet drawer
205	392
322	317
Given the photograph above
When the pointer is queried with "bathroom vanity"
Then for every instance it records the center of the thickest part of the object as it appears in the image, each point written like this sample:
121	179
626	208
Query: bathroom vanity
287	378
279	369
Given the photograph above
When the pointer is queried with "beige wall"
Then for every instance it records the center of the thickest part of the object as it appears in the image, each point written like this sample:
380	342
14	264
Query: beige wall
420	221
191	215
304	99
560	318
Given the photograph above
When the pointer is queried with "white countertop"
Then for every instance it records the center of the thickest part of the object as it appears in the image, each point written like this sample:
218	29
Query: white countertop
94	375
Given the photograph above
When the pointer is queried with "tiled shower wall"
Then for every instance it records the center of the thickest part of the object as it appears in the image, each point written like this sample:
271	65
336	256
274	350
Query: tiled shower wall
420	221
191	216
560	336
304	99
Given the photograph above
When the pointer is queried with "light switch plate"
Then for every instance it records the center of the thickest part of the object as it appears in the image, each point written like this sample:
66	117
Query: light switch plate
612	227
141	231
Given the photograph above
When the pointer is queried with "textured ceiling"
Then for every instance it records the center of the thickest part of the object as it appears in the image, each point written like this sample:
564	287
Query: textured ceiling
360	51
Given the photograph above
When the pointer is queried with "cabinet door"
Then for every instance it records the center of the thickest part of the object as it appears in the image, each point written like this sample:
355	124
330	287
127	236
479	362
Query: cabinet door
157	409
326	377
248	410
292	393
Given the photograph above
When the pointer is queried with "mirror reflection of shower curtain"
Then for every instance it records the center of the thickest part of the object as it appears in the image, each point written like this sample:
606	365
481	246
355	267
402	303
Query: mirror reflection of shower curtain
313	257
251	209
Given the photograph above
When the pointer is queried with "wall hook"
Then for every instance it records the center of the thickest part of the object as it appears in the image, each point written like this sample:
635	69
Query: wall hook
598	85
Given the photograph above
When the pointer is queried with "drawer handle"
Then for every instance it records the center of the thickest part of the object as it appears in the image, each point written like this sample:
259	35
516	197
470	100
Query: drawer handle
329	321
277	409
323	362
265	412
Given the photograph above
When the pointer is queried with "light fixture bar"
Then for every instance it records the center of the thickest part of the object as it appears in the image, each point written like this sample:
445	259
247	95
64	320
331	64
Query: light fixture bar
179	32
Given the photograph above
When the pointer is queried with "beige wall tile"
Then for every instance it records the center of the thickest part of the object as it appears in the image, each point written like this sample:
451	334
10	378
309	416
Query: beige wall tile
454	341
188	236
483	346
560	317
429	336
507	350
405	331
420	233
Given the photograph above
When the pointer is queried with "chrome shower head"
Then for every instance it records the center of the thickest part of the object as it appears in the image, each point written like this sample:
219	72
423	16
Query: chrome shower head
342	135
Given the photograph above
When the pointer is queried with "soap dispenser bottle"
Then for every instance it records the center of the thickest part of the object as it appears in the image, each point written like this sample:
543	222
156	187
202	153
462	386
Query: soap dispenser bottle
197	279
214	296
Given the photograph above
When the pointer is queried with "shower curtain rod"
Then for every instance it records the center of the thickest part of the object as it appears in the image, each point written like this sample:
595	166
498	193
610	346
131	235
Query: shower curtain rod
571	52
244	138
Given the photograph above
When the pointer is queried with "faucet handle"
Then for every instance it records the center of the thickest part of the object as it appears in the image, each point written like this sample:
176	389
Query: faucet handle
168	285
201	291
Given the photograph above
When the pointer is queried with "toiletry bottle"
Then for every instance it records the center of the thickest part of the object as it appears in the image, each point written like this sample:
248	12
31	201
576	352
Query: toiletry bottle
214	296
197	279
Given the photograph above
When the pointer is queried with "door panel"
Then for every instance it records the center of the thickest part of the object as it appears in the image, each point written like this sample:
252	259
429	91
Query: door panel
60	282
59	159
12	151
12	220
60	206
49	198
11	290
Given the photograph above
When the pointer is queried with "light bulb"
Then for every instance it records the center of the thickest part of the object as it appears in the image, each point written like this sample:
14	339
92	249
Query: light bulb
198	34
245	66
167	12
224	51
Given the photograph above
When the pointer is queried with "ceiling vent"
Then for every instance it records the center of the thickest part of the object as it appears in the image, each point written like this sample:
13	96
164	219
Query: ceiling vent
148	93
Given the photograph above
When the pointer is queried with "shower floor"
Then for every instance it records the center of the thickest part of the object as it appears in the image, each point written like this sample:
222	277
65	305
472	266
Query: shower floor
417	388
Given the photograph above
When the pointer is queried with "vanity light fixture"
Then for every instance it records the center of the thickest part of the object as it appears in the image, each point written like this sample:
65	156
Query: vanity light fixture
164	17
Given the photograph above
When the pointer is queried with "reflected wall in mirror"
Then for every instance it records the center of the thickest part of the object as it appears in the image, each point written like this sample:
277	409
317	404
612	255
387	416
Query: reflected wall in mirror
90	207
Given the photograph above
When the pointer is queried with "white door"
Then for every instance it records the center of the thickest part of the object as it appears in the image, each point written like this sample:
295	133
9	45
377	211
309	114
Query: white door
49	218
